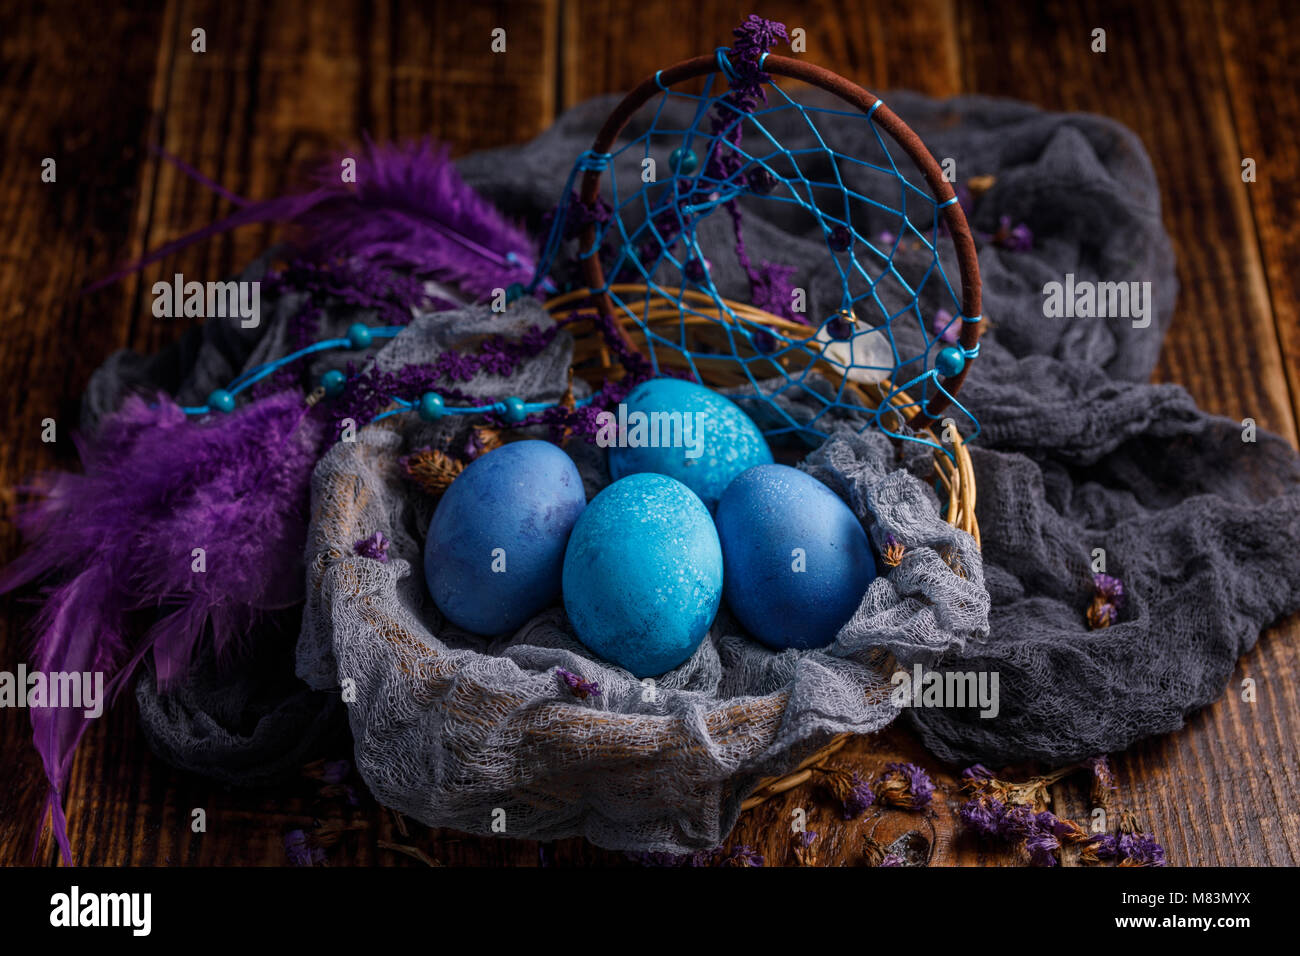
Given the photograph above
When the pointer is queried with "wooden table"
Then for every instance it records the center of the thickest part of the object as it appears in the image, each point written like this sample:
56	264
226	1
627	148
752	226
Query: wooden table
1205	84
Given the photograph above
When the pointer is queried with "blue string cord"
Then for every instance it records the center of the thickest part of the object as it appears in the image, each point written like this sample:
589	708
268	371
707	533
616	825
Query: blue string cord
361	336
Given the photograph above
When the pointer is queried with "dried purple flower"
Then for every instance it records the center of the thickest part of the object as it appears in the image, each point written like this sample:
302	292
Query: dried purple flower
336	771
1042	846
1140	849
1100	846
374	547
804	854
1110	587
944	327
983	814
892	553
1103	781
1106	602
742	855
300	850
582	689
905	785
850	789
1017	238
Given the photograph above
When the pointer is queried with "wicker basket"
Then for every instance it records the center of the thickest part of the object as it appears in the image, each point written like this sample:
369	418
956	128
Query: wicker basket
952	468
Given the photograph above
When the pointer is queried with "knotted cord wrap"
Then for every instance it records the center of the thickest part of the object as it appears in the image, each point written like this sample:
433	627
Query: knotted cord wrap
934	401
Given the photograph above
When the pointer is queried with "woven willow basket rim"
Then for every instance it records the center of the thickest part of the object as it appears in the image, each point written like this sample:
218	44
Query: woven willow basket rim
956	474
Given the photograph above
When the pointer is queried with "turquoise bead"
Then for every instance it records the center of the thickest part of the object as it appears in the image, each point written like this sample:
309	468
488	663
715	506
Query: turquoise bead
333	382
514	410
514	290
359	336
683	161
950	362
432	406
221	401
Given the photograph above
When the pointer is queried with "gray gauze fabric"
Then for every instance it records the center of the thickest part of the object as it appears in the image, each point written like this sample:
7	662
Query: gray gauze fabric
1075	454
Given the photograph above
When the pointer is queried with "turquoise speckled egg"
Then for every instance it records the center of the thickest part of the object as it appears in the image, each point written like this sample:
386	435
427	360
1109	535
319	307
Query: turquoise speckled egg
643	574
797	560
688	432
496	542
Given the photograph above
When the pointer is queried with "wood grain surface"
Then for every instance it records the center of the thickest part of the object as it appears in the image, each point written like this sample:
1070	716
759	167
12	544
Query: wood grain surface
1205	83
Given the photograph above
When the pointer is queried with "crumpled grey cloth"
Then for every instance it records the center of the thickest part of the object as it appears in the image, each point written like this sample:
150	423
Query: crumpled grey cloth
1075	453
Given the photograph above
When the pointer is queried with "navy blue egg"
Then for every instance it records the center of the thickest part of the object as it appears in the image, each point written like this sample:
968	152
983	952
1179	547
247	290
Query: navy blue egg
496	543
643	574
797	560
717	439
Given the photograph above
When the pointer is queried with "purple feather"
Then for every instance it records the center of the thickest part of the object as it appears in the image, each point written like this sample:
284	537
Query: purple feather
121	539
408	209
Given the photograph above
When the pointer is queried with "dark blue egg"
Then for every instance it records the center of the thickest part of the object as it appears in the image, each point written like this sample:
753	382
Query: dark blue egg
797	560
688	432
643	574
496	543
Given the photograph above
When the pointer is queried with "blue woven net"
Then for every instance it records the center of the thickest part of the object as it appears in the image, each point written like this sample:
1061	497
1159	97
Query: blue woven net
876	347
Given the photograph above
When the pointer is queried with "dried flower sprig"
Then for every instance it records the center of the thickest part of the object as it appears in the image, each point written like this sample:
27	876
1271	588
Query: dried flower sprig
374	547
1103	781
582	689
433	469
952	558
310	847
1136	847
805	853
892	553
1016	813
1015	238
1107	600
851	790
742	855
904	785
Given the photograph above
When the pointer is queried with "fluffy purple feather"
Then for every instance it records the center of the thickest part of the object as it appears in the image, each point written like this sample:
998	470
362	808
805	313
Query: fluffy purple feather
411	210
119	539
408	209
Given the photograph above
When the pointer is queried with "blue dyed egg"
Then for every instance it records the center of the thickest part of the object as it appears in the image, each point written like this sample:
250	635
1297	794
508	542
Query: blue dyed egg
797	560
688	432
496	542
643	574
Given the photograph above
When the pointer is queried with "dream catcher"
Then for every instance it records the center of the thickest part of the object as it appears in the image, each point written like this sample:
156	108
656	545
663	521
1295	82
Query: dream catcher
884	332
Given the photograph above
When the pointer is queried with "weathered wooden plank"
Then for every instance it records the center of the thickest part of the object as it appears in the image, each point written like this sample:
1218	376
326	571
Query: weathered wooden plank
1214	790
610	46
1260	49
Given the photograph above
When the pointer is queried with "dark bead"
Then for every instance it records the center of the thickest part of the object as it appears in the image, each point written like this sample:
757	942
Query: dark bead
761	180
839	238
840	326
